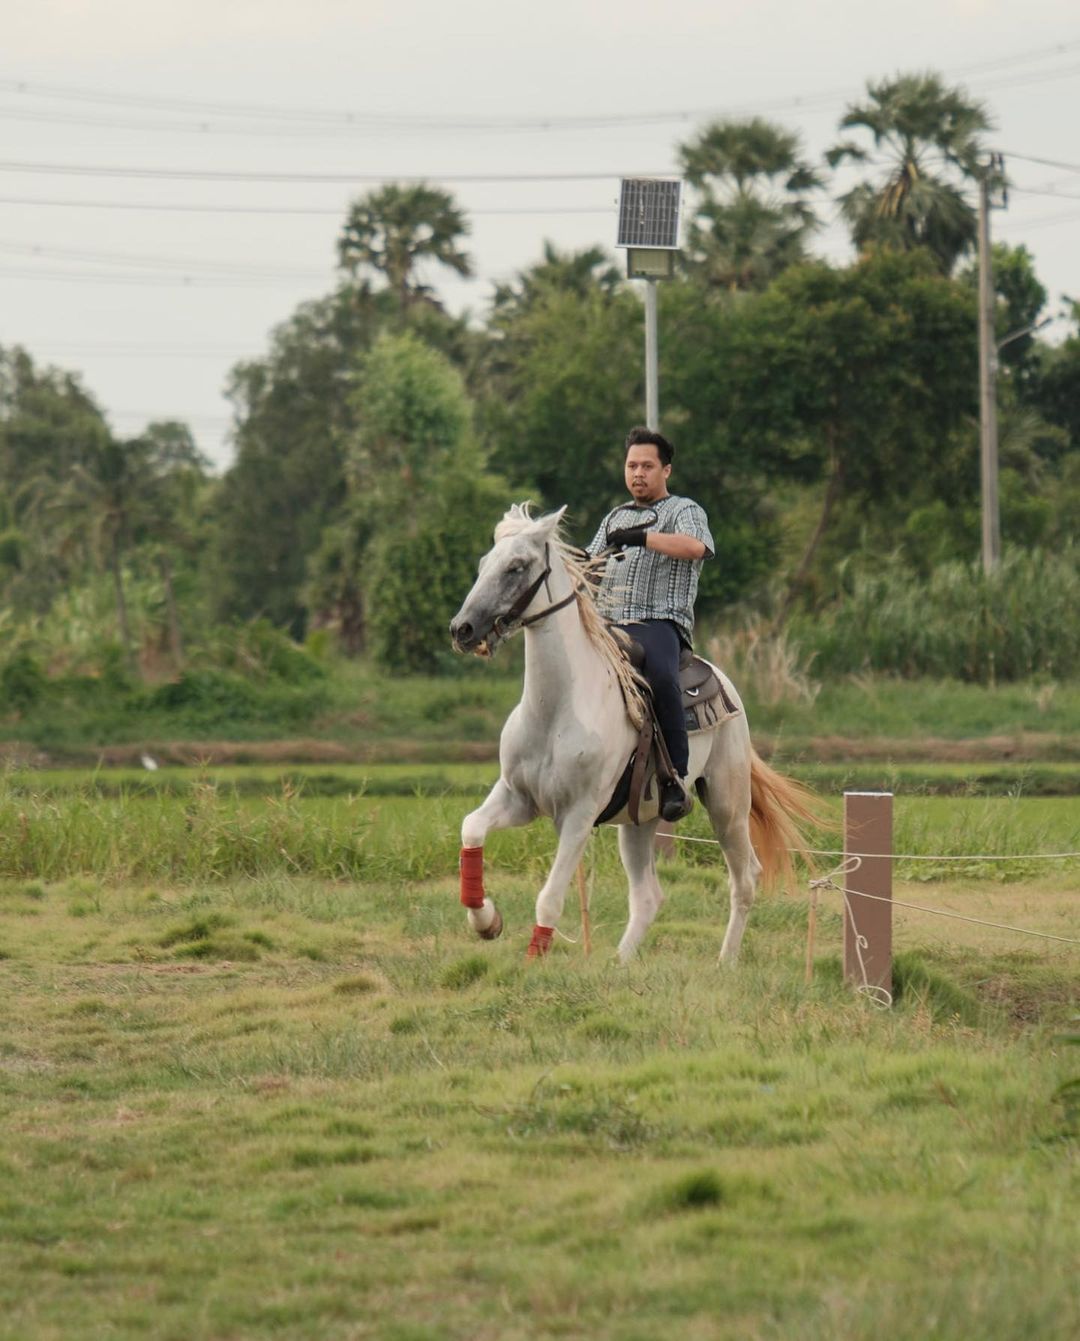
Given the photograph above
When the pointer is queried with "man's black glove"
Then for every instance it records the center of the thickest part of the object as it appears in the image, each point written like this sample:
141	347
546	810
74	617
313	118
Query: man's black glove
627	537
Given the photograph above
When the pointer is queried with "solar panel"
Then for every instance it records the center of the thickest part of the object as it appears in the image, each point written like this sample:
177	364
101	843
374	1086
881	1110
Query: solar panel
649	213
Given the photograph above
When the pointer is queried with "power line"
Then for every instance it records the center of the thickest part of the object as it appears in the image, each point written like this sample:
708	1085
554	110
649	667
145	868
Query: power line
1043	162
188	263
245	175
383	121
1034	191
1043	221
62	350
149	205
143	281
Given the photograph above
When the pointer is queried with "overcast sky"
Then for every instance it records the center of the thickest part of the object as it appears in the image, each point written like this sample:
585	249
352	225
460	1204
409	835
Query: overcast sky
153	305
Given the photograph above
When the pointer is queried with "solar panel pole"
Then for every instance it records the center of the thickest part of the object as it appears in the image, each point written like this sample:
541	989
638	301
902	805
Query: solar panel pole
652	362
649	230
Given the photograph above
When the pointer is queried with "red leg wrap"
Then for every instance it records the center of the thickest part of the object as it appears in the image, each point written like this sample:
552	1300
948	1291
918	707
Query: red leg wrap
472	877
540	943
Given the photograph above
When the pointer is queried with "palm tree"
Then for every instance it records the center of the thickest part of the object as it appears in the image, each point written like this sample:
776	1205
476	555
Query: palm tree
926	150
394	229
119	494
753	218
577	272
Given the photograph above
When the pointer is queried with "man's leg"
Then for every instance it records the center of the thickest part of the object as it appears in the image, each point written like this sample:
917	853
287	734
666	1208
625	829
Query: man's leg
660	639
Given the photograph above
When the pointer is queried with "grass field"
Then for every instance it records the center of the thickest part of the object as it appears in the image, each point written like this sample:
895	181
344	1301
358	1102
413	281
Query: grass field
361	714
257	1080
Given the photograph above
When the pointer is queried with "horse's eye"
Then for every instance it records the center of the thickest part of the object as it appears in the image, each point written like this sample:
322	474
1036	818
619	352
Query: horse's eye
516	567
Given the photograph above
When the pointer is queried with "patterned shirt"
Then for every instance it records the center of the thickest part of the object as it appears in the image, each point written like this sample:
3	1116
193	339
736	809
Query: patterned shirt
644	584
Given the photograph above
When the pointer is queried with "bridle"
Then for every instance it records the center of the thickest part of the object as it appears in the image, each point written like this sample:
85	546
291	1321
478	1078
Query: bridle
515	617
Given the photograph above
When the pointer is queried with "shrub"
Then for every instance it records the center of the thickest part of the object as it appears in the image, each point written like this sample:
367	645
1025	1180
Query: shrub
959	622
22	681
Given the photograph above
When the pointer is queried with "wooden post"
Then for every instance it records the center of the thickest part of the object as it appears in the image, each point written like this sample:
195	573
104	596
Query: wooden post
811	934
583	895
868	832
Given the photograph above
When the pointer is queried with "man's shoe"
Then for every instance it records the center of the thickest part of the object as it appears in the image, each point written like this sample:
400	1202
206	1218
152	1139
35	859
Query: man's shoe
675	801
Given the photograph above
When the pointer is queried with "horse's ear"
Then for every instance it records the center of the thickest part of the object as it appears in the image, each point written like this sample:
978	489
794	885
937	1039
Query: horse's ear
554	519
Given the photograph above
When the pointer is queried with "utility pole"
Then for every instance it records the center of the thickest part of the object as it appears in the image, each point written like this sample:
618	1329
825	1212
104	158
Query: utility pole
988	436
649	230
652	374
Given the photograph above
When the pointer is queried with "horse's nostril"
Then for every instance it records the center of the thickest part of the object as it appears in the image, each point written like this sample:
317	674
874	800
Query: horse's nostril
462	633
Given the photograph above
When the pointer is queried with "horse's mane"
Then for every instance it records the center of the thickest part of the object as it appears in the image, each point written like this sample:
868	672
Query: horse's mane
582	569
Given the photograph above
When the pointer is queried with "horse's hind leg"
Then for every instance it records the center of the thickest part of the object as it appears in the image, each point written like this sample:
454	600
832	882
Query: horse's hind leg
727	799
502	809
637	847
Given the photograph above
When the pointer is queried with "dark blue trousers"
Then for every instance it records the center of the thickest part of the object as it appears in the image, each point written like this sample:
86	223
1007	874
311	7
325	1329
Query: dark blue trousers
662	644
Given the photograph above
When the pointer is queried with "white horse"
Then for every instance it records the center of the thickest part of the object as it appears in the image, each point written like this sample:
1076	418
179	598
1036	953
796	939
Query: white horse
566	744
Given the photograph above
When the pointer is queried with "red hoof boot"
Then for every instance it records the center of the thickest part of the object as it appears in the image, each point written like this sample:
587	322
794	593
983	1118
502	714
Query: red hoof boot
540	943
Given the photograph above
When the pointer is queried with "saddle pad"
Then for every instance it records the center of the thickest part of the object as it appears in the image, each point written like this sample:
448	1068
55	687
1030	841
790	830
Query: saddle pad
704	699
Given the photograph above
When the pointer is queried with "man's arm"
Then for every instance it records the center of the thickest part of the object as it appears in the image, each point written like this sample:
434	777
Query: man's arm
675	546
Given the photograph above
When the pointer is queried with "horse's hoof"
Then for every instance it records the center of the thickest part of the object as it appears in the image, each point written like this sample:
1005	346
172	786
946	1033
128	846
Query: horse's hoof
494	930
540	943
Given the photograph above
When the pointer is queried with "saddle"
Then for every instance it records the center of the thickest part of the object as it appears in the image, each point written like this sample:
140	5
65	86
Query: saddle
705	702
704	698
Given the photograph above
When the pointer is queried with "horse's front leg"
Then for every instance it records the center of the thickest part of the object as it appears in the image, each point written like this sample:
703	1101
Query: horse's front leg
503	809
574	830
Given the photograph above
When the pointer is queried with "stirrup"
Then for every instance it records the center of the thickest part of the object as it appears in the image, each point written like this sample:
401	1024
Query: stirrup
675	801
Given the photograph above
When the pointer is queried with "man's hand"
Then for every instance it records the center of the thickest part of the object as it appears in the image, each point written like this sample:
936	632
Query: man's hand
628	537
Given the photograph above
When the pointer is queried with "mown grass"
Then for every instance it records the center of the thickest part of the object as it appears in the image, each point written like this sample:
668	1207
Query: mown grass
281	1105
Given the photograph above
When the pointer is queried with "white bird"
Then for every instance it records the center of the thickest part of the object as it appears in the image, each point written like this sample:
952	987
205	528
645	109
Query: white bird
148	762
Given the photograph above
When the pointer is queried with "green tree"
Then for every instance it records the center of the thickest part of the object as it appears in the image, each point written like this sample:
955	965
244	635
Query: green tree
861	379
753	216
1020	300
1056	384
419	510
109	502
293	417
566	382
395	230
925	152
579	272
48	425
171	515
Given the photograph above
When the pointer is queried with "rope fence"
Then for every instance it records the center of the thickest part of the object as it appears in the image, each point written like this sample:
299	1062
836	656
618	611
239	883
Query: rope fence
827	882
868	949
900	856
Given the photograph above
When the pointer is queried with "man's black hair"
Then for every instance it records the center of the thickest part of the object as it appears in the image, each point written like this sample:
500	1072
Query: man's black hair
642	436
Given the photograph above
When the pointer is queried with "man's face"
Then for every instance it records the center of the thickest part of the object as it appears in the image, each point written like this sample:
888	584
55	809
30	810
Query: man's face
646	478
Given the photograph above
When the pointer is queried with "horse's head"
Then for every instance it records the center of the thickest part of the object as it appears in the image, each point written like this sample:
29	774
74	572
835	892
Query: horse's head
511	574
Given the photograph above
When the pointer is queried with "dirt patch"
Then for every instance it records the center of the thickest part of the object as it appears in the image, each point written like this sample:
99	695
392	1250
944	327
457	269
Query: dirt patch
1024	747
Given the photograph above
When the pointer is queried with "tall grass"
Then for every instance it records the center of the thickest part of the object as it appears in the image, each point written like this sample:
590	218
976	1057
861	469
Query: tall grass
1021	620
212	832
768	659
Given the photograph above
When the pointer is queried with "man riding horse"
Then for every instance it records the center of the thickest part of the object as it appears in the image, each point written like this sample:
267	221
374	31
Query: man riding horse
649	585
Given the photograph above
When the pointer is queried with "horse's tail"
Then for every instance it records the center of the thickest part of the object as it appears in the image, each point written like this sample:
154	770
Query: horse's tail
780	811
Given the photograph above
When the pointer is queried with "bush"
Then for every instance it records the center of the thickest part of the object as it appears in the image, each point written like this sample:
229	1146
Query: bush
22	681
216	700
958	623
257	649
